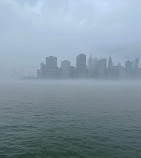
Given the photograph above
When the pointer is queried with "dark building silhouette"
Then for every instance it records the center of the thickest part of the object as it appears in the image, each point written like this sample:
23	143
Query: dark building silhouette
121	73
117	72
101	68
42	70
97	68
90	64
51	67
65	69
110	63
81	65
128	69
73	73
135	68
137	64
110	69
91	67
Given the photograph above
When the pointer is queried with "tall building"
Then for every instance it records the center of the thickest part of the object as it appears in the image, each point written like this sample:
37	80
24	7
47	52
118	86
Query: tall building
42	70
90	64
135	68
136	63
65	69
51	67
95	63
91	67
117	72
121	73
81	65
111	69
73	72
110	63
101	68
128	68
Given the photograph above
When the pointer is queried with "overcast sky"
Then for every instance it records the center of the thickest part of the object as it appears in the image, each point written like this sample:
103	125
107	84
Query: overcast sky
30	30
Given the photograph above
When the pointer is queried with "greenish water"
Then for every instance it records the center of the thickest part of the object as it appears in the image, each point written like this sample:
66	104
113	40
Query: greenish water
80	119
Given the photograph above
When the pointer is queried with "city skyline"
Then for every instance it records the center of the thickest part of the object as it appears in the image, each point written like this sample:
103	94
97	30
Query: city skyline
85	68
70	78
33	29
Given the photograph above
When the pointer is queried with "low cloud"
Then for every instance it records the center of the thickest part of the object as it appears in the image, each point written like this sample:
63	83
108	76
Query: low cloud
33	29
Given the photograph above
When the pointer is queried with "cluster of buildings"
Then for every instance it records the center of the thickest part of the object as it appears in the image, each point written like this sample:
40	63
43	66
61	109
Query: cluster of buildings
95	68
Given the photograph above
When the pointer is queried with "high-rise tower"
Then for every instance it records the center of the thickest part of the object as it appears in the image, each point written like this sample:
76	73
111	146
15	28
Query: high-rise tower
65	69
51	67
110	63
81	65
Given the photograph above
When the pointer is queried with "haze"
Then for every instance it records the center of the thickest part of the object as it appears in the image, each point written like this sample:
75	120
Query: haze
30	30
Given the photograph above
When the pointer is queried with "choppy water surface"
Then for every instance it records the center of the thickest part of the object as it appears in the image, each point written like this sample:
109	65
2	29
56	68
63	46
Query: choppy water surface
79	119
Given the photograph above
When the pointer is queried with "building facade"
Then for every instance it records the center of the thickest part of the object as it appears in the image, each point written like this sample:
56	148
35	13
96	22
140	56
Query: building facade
65	69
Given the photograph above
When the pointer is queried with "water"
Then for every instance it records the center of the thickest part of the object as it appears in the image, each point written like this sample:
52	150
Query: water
40	119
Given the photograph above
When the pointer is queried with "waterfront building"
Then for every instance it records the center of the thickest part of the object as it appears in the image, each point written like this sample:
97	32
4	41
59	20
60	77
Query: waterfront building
51	67
128	69
91	67
42	70
73	73
97	68
65	69
111	69
135	68
81	67
110	63
101	68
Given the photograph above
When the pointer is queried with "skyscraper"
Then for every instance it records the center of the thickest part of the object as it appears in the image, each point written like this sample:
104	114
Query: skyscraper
128	68
117	72
51	67
91	66
135	68
81	65
95	63
42	70
101	68
72	72
111	69
137	64
110	63
65	69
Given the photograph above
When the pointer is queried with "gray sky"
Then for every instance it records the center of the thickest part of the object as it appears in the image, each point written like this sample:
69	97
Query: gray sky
30	30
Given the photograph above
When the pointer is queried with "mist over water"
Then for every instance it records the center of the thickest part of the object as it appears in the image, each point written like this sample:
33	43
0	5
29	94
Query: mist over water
48	119
43	42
